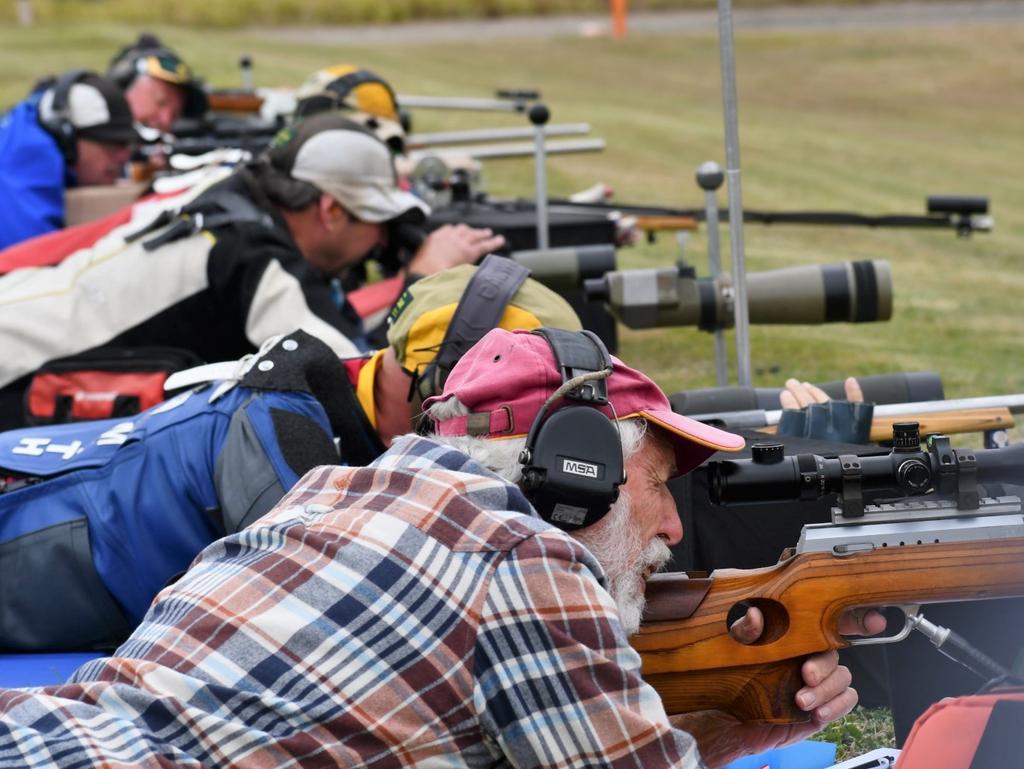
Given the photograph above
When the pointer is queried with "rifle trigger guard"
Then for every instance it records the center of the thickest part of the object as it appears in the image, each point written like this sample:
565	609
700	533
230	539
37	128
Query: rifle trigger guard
909	611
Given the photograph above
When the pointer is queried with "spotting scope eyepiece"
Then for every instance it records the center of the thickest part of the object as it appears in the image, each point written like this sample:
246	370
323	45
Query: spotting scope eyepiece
563	269
852	292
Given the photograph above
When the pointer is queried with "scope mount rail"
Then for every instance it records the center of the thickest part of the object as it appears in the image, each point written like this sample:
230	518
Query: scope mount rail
996	518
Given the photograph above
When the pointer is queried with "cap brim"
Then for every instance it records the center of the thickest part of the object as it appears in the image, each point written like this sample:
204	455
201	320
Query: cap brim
109	134
693	441
373	203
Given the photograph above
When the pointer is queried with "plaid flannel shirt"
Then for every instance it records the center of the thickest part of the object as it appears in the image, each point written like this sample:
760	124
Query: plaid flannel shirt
412	613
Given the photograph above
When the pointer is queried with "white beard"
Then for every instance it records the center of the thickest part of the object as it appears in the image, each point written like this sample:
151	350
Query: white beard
627	561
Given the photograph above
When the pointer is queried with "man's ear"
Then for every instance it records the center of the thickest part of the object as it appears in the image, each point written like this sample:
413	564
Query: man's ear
330	213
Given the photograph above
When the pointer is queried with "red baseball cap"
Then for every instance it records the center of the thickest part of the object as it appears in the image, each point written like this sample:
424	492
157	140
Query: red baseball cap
505	378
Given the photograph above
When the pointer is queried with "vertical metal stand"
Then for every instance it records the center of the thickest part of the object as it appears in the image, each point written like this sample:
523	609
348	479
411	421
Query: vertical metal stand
732	175
26	16
245	65
539	116
710	178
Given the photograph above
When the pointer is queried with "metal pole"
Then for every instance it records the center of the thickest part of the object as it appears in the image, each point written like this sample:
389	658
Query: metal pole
245	66
26	17
732	176
539	115
710	178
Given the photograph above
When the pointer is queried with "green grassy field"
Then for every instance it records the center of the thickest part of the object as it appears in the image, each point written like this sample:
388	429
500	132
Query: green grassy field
239	13
863	120
869	121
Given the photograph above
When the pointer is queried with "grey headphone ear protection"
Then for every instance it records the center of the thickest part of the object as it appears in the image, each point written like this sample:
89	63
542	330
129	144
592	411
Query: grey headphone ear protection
58	123
572	462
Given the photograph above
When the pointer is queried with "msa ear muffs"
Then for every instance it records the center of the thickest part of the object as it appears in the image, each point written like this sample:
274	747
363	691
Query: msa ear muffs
58	124
572	461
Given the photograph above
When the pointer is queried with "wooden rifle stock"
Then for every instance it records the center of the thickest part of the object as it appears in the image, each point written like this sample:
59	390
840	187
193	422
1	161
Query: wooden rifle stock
946	422
939	422
694	664
664	222
233	100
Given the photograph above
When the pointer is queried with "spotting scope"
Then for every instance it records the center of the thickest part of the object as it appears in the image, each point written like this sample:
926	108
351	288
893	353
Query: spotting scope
852	292
562	269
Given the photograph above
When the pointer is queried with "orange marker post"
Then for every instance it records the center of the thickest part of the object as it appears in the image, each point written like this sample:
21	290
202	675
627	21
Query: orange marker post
619	10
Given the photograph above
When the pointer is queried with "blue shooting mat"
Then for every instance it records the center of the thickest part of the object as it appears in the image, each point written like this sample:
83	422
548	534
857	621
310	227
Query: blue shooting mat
18	670
801	755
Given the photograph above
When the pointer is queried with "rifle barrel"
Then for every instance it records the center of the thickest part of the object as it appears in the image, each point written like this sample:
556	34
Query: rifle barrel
754	418
421	140
513	149
461	102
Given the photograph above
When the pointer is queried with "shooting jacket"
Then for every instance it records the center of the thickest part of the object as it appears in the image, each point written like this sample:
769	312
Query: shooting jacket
33	175
99	516
415	612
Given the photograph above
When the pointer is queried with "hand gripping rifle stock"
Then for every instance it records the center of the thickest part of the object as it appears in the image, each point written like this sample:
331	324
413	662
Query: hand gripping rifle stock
943	541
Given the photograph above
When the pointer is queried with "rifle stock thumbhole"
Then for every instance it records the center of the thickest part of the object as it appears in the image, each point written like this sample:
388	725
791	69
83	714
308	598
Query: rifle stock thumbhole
776	620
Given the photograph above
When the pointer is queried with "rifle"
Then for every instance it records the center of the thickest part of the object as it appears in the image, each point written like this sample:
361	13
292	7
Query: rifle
964	213
201	135
957	415
953	544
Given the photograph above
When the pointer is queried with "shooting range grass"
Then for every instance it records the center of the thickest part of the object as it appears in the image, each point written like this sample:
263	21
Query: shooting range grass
859	732
870	121
860	120
241	13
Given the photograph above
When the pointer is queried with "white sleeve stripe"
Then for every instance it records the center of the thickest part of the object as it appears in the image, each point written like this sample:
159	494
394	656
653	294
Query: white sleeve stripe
279	307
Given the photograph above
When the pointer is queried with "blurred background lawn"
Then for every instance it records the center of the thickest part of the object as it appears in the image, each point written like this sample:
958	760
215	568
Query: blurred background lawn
240	13
868	120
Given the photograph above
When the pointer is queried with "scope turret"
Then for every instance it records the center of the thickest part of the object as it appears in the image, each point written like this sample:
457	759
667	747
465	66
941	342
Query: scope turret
853	292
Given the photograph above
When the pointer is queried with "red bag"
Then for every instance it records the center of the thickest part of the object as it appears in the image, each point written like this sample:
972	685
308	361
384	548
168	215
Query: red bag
103	383
982	731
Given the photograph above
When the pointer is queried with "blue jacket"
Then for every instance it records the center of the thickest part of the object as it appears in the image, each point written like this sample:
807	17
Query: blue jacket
33	175
99	516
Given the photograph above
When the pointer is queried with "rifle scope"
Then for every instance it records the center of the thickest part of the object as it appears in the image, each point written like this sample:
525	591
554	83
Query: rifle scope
769	476
567	268
853	292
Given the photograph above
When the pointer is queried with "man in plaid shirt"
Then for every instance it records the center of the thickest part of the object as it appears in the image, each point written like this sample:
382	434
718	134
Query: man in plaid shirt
418	612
